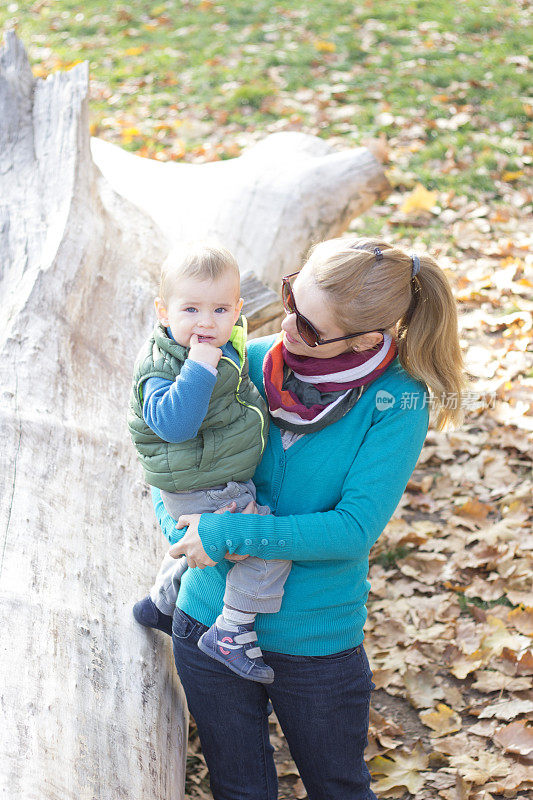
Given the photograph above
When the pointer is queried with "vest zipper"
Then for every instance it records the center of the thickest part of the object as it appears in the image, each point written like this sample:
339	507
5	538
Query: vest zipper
247	405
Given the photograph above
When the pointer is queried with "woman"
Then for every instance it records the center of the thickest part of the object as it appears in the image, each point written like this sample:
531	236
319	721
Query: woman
368	330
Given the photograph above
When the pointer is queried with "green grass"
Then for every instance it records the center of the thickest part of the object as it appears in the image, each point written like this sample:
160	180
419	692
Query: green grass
390	558
210	70
466	603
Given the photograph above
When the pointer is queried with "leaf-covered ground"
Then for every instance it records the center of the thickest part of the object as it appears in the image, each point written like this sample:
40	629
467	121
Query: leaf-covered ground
446	87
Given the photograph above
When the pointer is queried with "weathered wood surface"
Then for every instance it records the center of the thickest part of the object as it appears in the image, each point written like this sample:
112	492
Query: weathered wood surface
91	706
268	206
261	304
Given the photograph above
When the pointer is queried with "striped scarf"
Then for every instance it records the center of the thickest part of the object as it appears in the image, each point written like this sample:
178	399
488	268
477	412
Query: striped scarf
306	394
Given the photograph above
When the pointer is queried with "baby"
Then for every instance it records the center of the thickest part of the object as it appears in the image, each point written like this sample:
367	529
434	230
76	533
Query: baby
199	426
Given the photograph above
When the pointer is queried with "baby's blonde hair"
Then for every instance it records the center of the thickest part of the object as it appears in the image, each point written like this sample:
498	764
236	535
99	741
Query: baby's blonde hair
205	261
369	292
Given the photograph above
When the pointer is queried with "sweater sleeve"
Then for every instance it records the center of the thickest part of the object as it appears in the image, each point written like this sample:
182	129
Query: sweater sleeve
372	489
174	410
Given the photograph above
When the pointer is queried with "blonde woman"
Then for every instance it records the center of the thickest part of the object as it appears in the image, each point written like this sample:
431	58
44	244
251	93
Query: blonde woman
369	337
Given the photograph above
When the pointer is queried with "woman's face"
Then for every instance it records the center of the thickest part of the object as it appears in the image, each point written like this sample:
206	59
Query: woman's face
312	302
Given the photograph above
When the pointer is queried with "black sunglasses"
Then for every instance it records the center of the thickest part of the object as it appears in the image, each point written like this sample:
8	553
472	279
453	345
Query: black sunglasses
306	329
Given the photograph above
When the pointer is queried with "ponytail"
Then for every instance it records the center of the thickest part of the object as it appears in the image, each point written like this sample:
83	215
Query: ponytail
428	342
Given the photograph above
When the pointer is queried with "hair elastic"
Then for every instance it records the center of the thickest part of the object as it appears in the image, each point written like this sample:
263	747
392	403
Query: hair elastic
378	253
416	265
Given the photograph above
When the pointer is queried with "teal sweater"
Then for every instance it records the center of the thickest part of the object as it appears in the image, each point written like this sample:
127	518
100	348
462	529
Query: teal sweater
331	494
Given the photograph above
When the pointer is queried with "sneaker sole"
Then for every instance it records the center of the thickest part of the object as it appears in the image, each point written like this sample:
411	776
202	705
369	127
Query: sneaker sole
210	653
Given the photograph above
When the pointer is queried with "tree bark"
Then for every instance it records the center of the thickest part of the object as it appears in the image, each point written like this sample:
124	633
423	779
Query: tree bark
268	206
91	706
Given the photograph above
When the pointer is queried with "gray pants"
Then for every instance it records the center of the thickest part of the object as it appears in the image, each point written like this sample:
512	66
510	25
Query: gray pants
252	585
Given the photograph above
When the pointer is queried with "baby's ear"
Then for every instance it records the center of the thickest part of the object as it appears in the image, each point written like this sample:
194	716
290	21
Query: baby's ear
161	311
238	308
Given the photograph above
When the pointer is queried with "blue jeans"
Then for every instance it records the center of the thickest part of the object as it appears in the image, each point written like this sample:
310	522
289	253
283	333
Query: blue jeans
322	704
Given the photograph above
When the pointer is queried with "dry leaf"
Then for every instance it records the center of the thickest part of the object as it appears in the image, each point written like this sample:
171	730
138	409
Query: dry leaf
516	738
480	769
474	509
422	689
519	778
484	728
419	200
492	681
400	769
443	721
463	665
522	620
506	709
299	790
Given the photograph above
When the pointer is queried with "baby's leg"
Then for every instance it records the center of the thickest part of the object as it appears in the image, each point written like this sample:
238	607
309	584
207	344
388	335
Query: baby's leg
164	592
252	586
255	586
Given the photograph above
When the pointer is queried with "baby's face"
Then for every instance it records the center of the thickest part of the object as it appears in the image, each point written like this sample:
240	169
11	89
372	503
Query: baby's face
206	308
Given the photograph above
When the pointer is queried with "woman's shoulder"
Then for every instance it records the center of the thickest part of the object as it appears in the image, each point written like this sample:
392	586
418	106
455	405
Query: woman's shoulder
396	380
257	350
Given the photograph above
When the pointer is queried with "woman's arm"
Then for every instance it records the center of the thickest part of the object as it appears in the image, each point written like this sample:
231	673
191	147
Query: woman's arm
372	489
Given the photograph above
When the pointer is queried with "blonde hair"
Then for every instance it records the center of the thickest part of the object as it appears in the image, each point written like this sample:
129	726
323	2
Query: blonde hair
205	261
370	292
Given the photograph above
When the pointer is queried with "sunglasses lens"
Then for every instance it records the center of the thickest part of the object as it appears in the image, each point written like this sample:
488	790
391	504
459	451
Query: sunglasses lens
306	331
287	298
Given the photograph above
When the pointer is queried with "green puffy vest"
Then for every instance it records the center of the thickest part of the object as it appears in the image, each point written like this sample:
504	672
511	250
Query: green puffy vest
230	440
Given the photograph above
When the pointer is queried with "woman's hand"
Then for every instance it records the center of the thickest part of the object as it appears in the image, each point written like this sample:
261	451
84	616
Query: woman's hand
191	544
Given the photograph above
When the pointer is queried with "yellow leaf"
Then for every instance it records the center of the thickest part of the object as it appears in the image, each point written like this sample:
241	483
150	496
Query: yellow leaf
134	51
400	769
512	176
39	71
323	46
522	620
419	200
443	721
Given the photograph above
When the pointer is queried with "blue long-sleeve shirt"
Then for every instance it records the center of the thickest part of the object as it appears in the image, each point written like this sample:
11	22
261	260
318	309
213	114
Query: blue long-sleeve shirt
174	410
331	493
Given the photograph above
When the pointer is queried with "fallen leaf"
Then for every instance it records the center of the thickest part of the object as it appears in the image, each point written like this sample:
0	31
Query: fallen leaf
516	738
400	769
492	681
463	665
420	199
474	509
443	721
298	790
522	620
506	709
324	46
484	728
480	769
422	689
519	778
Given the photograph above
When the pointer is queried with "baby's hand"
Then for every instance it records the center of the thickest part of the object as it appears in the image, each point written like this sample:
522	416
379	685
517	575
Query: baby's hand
203	351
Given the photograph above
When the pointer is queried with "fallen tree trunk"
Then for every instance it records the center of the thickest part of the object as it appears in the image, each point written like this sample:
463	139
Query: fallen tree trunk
268	206
92	708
